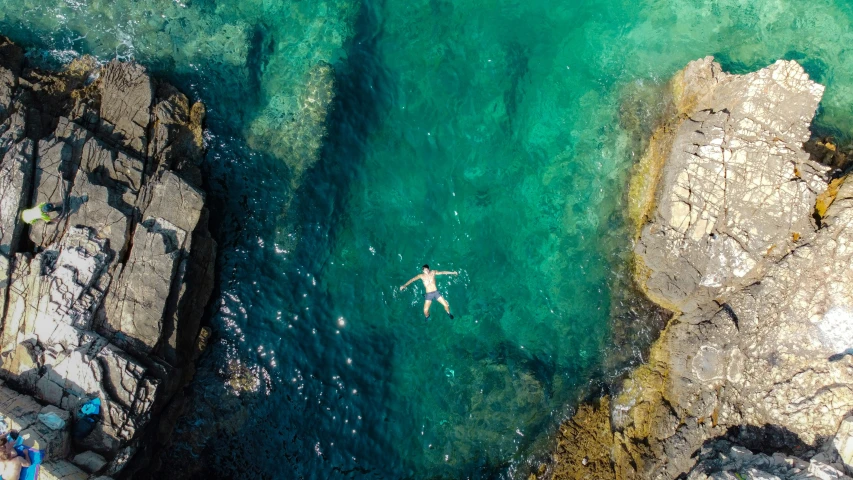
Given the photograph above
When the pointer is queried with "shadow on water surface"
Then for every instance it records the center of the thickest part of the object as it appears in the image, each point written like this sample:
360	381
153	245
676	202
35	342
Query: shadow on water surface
284	431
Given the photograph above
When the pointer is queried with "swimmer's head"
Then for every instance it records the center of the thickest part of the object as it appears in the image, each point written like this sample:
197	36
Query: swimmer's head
425	268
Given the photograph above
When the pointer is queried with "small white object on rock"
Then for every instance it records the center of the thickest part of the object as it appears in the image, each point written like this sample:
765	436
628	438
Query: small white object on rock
836	328
52	421
54	418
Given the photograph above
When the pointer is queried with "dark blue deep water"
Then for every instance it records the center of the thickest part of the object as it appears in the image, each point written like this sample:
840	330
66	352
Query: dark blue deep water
487	137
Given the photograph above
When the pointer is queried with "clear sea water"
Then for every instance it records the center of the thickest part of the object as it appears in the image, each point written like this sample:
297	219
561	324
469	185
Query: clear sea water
491	137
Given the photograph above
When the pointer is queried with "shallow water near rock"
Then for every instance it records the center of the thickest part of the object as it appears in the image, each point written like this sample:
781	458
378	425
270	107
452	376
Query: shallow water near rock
483	137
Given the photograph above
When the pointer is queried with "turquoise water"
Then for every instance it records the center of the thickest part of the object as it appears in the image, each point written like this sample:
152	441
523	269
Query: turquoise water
492	137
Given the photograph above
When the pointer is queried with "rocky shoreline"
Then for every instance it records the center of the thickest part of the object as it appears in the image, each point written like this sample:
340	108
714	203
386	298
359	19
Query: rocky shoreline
745	232
106	300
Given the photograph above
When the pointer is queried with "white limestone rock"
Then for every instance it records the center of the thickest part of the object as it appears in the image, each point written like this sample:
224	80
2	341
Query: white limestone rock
737	185
843	443
108	302
764	329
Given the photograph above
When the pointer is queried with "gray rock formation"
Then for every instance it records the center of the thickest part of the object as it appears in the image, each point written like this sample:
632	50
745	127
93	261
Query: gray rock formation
737	192
761	290
90	462
723	461
750	244
106	300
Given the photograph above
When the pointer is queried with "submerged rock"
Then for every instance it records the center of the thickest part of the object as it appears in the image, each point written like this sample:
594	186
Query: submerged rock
105	300
292	128
759	280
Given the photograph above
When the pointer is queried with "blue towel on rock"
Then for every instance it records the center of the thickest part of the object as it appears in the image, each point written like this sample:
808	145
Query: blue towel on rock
92	407
36	457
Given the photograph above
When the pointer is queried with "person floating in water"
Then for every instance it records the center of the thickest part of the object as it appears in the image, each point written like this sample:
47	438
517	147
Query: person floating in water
432	293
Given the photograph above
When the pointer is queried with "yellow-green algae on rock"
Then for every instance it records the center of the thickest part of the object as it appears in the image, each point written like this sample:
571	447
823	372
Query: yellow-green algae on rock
679	100
587	447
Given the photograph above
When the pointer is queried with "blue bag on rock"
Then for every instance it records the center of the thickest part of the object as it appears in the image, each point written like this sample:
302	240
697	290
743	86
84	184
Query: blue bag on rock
87	417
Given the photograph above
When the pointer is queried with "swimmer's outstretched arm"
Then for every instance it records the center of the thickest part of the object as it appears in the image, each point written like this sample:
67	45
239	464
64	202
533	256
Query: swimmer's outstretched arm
447	273
410	281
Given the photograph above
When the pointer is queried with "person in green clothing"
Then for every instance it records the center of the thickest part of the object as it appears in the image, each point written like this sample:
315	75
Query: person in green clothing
40	212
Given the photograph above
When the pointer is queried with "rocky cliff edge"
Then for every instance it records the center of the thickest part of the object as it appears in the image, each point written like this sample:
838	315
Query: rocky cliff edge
106	300
749	241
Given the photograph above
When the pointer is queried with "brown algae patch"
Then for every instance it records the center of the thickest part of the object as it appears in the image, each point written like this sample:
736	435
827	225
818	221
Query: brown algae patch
588	447
584	445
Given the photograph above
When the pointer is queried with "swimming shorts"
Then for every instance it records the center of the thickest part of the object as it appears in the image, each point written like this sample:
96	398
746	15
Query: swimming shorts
433	295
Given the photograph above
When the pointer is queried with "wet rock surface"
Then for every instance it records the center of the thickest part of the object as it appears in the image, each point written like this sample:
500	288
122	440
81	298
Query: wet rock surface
749	241
105	300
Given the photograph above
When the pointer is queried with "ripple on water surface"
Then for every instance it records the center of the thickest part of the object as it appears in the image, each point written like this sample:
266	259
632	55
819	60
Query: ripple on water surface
482	137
